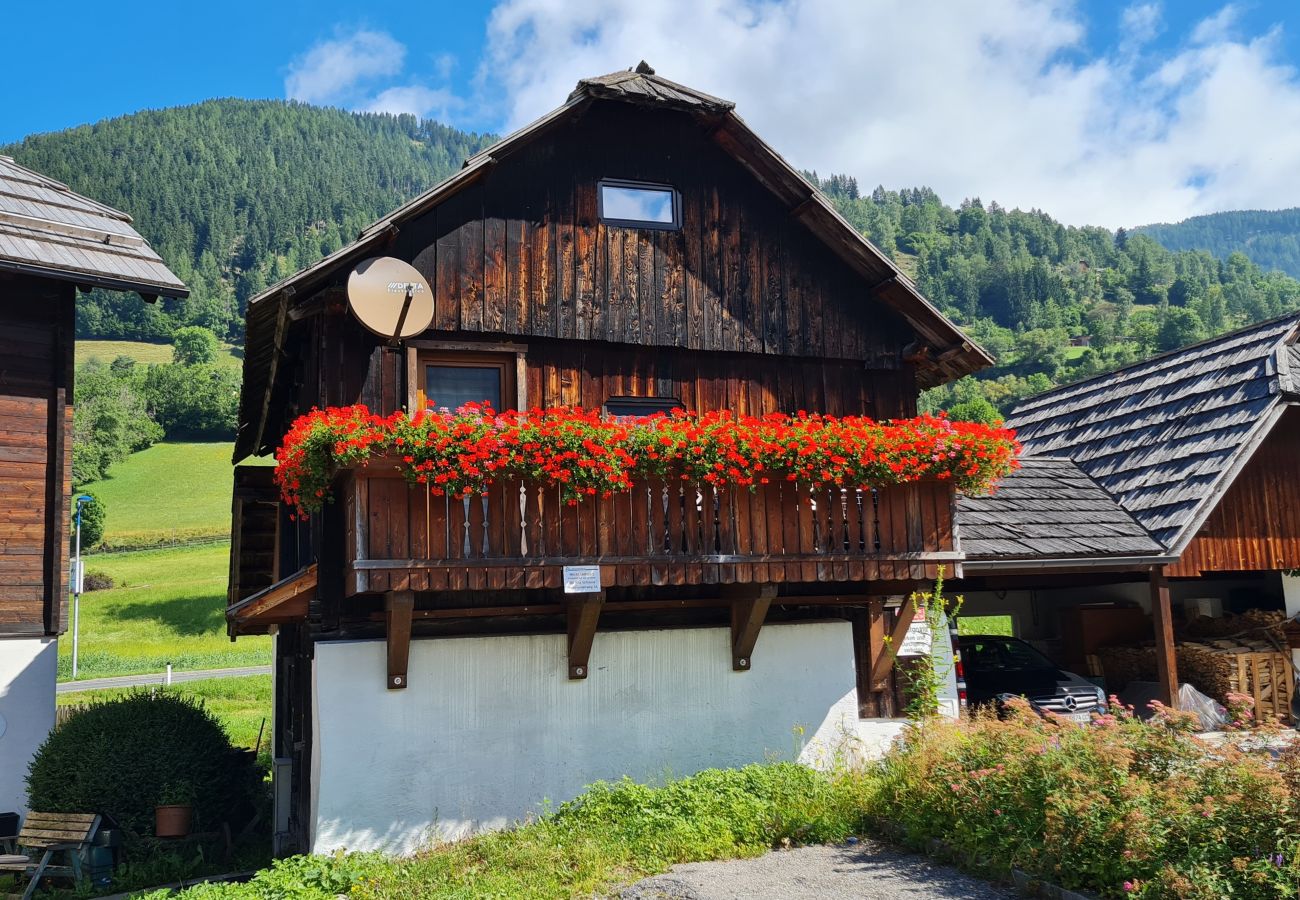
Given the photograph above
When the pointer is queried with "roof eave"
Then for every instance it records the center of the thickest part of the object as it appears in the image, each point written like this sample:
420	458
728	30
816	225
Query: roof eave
1090	563
144	288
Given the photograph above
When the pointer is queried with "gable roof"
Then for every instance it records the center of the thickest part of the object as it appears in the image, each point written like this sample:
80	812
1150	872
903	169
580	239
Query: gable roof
46	229
1165	437
1049	512
942	352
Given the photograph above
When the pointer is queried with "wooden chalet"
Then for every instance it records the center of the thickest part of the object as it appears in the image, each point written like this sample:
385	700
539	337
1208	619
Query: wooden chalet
1152	501
53	242
639	248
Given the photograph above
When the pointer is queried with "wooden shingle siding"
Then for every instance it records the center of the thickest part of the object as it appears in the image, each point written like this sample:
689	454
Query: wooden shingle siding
522	253
1256	526
36	340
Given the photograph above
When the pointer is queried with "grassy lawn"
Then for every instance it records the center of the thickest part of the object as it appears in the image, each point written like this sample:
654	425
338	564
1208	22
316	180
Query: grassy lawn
169	492
240	703
985	625
145	354
166	606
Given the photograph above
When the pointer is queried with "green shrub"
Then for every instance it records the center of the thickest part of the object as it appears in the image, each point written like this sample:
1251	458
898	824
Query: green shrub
118	756
194	345
1123	808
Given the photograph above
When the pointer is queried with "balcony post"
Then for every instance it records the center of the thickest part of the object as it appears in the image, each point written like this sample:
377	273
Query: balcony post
1162	622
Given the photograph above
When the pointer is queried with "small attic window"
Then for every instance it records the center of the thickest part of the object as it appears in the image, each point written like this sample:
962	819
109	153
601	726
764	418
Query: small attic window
637	204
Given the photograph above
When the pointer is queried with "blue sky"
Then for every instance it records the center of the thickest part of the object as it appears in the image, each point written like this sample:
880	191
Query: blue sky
1114	113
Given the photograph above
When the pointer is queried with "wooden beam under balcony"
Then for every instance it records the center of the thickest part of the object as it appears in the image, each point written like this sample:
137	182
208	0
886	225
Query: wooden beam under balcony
583	611
398	606
749	605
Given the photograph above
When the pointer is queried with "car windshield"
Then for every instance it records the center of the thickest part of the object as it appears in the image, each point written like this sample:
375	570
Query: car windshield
1001	654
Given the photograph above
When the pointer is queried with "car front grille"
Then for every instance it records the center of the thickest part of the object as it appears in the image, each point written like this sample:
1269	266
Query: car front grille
1056	703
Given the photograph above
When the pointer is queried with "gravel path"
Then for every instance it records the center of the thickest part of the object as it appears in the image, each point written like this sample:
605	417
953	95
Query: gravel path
122	681
866	870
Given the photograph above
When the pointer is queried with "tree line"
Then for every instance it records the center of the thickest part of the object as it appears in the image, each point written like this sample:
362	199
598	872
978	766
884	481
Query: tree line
1055	303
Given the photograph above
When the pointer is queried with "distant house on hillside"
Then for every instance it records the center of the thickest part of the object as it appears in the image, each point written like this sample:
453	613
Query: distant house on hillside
53	242
448	664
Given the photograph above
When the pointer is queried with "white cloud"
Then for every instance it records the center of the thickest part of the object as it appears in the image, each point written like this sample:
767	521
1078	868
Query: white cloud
332	71
1000	99
416	99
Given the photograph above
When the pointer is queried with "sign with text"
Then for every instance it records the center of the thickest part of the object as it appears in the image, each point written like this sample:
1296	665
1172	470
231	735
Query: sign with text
582	579
918	640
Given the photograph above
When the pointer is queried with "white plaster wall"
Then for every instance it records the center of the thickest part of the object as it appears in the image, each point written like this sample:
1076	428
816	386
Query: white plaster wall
491	728
28	672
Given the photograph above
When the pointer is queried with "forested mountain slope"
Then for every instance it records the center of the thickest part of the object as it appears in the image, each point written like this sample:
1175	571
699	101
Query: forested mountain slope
236	194
1270	237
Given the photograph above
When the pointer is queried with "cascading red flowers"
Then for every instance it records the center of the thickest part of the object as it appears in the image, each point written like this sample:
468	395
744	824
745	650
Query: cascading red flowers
585	454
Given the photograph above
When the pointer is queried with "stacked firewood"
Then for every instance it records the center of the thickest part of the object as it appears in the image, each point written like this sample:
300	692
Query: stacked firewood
1215	667
1253	624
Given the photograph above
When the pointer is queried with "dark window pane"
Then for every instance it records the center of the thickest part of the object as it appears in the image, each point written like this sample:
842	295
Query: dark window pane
621	407
451	387
637	204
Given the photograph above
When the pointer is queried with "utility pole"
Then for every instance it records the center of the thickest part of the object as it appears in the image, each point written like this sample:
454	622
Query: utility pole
81	500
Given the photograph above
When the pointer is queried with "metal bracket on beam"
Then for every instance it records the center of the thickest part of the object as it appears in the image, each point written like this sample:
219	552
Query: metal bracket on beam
398	607
583	613
749	605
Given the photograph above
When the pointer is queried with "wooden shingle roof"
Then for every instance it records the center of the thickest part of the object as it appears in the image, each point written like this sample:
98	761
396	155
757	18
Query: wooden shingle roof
1049	509
1164	437
49	230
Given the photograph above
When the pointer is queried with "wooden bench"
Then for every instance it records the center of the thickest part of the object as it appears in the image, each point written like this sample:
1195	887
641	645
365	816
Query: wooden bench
48	834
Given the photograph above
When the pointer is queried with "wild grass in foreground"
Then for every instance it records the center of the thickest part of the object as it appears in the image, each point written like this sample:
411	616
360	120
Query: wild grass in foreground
167	606
612	834
1122	808
241	705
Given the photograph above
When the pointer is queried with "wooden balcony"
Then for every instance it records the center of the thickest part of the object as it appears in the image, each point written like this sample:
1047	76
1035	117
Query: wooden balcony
664	532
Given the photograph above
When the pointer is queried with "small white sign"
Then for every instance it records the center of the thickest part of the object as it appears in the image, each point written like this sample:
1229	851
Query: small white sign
918	640
582	579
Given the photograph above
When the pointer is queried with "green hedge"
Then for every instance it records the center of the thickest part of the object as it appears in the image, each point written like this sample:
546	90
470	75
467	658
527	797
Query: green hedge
123	757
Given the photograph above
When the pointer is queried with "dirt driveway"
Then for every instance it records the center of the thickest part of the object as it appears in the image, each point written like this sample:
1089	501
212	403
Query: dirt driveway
865	870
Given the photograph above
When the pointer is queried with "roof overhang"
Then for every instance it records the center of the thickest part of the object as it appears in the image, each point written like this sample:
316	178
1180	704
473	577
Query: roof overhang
283	602
87	279
1065	565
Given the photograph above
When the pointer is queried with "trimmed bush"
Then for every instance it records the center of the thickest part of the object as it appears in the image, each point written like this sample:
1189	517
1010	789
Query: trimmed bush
97	581
118	757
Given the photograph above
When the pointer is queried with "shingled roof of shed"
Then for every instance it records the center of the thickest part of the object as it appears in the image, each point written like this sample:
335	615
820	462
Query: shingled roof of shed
1049	509
1165	437
49	230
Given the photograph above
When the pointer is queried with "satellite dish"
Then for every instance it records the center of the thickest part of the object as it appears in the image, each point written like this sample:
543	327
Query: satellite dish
390	297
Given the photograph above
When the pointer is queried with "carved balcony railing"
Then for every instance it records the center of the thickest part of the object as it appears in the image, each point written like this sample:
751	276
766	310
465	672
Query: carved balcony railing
663	532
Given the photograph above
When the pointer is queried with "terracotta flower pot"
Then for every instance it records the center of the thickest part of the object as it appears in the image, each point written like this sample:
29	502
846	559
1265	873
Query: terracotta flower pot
173	821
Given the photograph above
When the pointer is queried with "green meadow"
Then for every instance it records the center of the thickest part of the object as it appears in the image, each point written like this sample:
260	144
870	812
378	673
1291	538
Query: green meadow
166	606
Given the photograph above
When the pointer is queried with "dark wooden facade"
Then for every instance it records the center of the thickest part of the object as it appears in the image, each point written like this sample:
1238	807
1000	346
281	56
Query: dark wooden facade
745	308
36	359
1256	524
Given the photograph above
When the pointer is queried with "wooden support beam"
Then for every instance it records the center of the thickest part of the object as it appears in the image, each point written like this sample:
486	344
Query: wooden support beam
398	606
583	614
883	662
749	605
1162	620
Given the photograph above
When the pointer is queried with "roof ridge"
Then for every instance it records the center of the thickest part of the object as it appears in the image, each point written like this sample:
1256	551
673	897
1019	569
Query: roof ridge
1163	357
53	184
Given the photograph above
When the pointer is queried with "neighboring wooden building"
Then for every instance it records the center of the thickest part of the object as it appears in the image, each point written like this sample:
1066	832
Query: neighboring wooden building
431	673
1170	482
52	243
